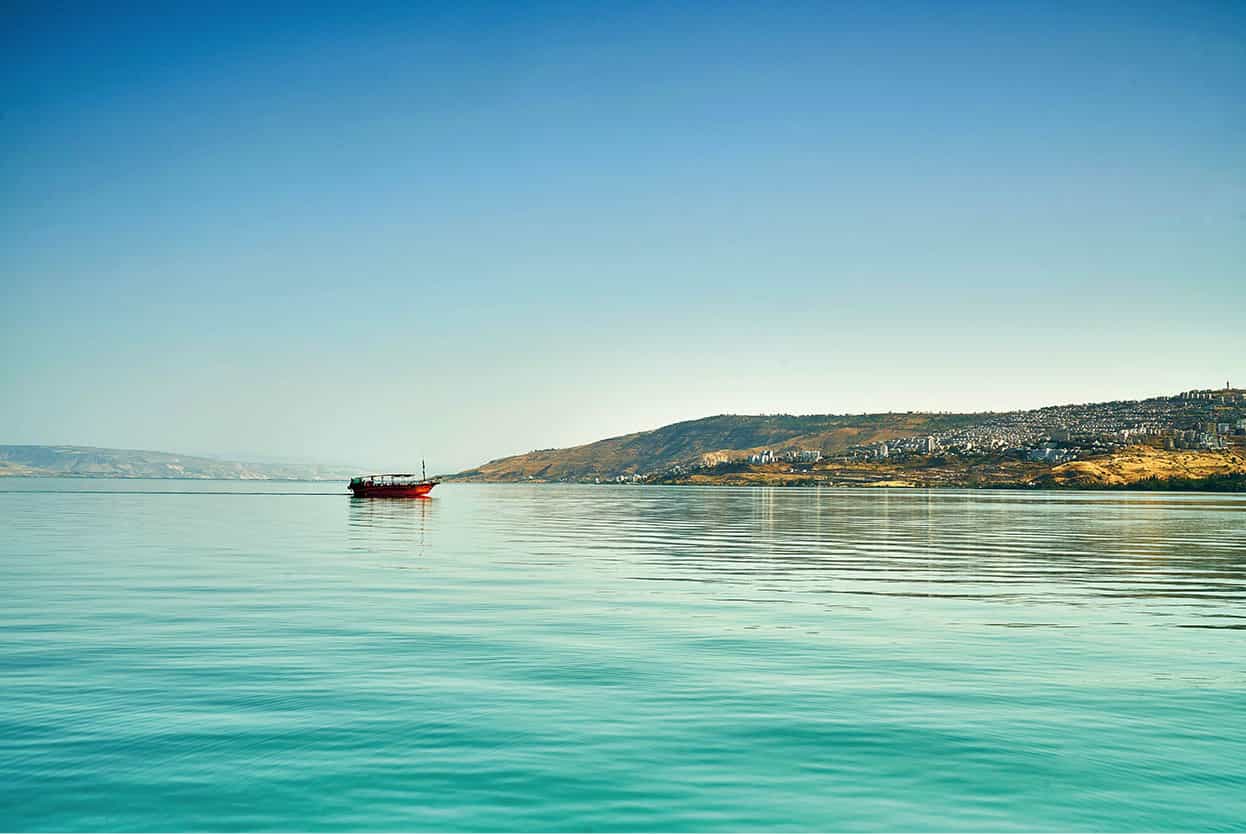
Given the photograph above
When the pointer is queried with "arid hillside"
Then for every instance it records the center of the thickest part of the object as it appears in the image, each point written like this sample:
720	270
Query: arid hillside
1139	463
690	441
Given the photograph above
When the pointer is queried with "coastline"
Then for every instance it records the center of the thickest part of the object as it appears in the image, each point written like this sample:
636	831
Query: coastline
1133	468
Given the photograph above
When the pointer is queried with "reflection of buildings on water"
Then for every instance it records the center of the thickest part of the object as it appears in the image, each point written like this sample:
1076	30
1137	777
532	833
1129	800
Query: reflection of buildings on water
389	525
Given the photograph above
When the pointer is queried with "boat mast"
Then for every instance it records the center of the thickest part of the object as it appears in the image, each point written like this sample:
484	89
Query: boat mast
423	471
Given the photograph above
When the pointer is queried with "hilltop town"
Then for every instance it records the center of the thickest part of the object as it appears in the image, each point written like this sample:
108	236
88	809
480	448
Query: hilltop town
1191	435
1206	420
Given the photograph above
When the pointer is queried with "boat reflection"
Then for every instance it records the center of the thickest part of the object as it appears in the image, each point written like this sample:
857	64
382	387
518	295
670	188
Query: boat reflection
389	525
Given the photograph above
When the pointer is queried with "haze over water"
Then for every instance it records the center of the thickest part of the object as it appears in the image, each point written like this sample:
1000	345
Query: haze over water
180	655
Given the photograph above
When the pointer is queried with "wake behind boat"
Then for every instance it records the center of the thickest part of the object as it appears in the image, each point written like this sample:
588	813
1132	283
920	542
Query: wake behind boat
396	485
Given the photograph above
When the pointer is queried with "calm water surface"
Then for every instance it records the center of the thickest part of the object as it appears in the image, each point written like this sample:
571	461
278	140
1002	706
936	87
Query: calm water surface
181	655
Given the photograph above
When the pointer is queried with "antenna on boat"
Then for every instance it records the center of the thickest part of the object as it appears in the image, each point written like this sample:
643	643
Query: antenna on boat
423	471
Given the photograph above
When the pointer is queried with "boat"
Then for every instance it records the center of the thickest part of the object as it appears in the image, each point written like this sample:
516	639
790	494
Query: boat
393	485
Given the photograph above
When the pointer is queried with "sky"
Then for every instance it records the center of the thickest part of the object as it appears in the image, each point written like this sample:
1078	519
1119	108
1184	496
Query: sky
464	230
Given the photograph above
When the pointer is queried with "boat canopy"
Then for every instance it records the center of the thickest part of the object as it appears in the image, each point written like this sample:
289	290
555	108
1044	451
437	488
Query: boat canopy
396	477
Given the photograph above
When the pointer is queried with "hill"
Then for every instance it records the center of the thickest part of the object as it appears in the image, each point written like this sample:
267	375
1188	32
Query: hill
697	441
1143	463
92	462
1192	435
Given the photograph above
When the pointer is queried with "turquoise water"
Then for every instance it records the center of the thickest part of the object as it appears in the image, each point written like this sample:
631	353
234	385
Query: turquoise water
223	656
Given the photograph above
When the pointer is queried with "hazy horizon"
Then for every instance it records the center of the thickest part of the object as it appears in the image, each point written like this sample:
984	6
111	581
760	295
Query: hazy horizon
463	232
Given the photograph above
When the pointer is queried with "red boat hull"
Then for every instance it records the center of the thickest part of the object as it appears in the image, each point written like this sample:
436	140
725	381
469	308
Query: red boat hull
392	490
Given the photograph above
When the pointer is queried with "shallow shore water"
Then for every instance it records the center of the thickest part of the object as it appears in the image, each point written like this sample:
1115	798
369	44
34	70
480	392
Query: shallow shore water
181	655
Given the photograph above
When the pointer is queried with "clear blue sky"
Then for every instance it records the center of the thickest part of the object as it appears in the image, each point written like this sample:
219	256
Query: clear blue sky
466	230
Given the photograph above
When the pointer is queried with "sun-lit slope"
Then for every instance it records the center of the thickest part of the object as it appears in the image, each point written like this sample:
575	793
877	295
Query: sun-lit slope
681	443
1138	463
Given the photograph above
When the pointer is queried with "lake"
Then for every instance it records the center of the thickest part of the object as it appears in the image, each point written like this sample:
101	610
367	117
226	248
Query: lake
251	655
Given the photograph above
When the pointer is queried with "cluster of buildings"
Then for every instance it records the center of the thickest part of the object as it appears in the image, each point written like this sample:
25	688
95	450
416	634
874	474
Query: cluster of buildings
900	447
1208	420
1208	435
632	478
788	455
1227	395
1050	452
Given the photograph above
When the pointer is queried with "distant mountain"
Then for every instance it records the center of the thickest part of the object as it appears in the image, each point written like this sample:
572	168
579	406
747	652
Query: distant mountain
698	441
92	462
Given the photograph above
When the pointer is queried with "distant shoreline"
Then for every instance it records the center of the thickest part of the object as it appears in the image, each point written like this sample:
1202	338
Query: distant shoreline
68	461
70	476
